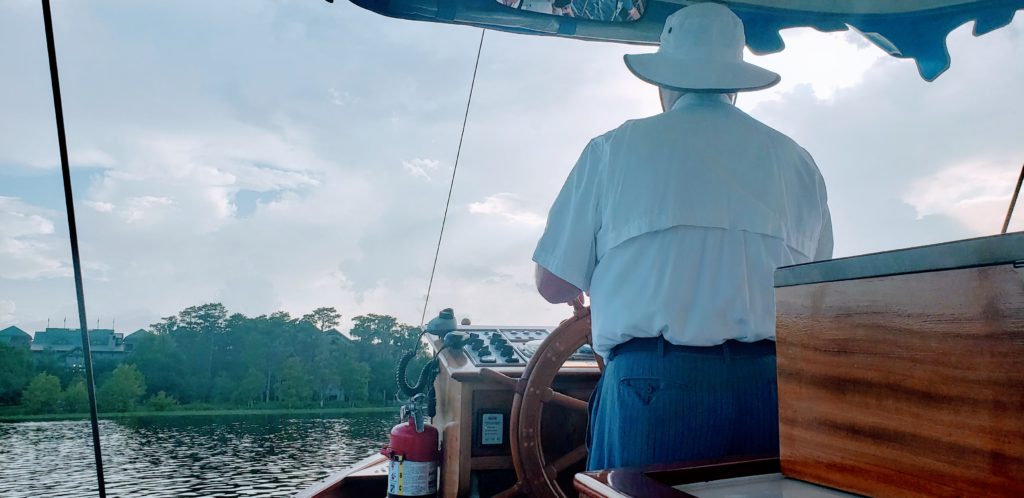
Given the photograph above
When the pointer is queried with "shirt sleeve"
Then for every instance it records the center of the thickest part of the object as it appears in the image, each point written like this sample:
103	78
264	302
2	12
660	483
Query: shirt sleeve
568	247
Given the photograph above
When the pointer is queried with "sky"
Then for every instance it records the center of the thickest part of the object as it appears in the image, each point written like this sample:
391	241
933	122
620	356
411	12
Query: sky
295	154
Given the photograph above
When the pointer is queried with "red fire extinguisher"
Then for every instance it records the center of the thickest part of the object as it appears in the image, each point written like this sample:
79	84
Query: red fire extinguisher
414	459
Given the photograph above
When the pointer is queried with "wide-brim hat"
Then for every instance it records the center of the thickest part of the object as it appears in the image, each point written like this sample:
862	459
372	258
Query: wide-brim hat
702	51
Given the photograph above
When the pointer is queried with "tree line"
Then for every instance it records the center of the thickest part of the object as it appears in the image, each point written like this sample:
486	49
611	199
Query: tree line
204	356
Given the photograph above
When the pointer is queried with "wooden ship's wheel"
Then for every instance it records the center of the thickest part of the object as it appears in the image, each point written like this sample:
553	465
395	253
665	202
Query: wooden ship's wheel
537	474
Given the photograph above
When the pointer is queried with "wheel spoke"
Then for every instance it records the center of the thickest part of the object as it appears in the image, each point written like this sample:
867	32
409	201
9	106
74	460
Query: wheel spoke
516	490
500	378
567	460
564	400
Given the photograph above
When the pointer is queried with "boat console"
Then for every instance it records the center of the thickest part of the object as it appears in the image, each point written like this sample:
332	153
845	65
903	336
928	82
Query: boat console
474	408
505	346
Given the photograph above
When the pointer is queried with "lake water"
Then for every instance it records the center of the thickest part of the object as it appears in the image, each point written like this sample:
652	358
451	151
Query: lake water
251	455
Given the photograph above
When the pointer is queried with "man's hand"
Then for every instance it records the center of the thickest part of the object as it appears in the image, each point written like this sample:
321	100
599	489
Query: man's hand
553	288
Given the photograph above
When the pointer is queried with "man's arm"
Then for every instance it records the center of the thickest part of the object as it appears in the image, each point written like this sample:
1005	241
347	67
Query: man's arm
554	289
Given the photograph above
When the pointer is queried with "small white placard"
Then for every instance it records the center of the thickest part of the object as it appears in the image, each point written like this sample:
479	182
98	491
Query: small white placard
492	429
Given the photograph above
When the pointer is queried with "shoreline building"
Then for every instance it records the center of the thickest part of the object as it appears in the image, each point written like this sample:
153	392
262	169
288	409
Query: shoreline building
104	343
15	337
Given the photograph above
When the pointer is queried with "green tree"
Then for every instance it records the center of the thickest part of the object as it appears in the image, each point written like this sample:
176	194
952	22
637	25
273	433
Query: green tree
381	340
161	363
15	373
323	318
123	389
296	386
355	380
250	389
224	388
43	394
198	333
76	397
162	402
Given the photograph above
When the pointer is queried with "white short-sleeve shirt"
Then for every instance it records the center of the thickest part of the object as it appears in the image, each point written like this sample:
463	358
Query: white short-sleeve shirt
674	224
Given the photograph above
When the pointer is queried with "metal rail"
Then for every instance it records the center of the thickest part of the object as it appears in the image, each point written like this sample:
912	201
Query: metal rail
65	168
1013	200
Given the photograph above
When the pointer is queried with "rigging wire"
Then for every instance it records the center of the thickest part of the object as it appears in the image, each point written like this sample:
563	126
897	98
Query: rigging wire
451	185
1013	200
65	168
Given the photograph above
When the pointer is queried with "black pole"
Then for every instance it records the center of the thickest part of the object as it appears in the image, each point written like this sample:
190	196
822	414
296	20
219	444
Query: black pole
1013	200
73	237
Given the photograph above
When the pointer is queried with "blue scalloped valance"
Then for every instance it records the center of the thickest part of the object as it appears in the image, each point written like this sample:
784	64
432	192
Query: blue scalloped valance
913	29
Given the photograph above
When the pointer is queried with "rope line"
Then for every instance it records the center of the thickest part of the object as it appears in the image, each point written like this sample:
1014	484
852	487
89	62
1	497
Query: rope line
451	185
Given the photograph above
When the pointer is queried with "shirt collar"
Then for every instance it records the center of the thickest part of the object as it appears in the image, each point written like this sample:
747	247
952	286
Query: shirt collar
693	98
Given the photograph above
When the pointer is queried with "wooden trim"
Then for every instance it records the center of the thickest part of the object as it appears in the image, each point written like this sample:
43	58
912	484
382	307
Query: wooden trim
336	480
717	471
450	460
590	487
658	481
492	463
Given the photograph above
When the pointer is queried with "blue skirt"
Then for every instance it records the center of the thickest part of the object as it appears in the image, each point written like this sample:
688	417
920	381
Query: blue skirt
658	403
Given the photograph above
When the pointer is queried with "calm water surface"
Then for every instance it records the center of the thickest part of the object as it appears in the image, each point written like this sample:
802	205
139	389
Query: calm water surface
252	455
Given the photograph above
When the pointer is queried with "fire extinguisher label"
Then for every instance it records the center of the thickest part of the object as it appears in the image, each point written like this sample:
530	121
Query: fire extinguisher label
408	478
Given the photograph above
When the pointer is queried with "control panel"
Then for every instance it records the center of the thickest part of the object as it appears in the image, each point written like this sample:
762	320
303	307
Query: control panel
510	346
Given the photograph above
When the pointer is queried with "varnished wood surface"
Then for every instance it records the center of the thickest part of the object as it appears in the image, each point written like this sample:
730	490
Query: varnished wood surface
659	481
367	477
908	385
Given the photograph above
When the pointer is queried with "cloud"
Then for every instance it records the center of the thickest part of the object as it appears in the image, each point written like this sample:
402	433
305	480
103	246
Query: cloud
340	98
7	309
249	163
421	168
508	207
100	206
29	247
975	195
141	208
827	63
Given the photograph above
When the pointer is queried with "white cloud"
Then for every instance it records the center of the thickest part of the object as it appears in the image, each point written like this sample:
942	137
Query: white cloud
99	206
340	98
140	208
7	309
29	247
20	219
509	207
975	195
826	62
421	168
89	156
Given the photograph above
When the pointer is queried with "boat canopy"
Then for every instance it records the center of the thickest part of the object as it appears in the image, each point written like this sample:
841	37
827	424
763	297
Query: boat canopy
913	29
